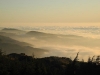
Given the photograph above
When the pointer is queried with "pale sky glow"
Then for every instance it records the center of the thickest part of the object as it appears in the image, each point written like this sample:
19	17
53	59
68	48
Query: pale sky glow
49	11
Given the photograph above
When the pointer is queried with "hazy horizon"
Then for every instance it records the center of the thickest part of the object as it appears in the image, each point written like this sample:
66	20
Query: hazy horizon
49	12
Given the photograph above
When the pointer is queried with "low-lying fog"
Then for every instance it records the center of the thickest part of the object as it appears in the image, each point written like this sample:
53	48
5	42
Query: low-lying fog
48	44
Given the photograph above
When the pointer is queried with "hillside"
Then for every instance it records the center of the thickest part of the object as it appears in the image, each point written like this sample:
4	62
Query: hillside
13	46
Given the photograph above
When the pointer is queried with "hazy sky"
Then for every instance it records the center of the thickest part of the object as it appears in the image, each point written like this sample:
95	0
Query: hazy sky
39	12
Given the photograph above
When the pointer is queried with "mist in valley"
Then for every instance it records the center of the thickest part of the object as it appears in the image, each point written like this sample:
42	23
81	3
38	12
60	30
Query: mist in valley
48	44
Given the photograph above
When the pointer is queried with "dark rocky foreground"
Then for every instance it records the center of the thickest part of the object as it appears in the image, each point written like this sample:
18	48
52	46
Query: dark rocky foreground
21	64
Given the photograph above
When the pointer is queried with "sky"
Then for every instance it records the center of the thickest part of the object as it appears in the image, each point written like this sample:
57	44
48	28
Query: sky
49	12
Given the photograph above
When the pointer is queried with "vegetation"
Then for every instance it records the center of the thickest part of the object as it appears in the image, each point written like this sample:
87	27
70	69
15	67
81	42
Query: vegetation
21	64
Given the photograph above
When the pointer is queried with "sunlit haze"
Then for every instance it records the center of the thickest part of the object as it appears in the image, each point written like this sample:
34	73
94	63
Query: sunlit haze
50	27
29	12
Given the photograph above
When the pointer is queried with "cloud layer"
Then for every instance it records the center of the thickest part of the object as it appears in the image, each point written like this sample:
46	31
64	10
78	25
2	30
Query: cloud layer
47	44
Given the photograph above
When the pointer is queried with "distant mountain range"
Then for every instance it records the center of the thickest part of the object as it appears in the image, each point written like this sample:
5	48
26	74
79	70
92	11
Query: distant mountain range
13	46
